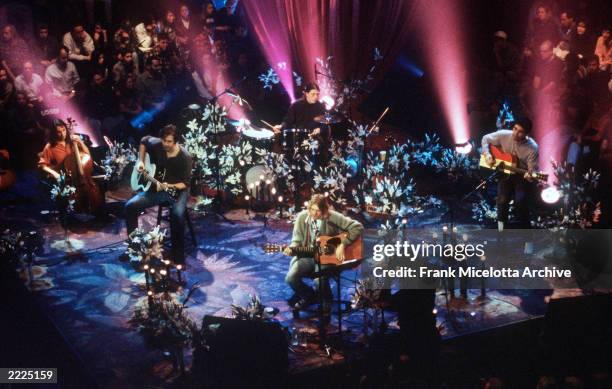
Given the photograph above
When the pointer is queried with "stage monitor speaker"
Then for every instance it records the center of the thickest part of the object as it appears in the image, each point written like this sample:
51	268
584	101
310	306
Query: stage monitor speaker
244	348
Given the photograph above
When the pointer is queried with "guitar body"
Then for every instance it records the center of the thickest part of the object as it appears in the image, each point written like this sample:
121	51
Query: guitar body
328	245
327	255
503	161
137	182
145	179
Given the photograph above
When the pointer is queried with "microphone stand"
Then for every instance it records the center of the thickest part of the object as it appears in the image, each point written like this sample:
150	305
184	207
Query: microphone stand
218	204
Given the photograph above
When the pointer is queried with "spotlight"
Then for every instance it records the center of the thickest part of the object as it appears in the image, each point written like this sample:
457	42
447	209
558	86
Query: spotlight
463	148
550	195
328	101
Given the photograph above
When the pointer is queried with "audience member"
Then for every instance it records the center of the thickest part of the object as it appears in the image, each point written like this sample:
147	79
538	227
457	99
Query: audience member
603	49
46	48
62	76
29	83
13	51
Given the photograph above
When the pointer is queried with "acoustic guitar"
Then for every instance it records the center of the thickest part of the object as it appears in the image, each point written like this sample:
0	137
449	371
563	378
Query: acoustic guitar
327	250
146	180
508	163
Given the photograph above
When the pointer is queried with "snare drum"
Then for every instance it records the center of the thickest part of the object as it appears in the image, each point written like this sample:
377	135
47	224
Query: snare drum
259	137
293	137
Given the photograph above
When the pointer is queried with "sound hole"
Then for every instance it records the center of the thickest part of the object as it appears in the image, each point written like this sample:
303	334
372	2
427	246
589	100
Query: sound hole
330	246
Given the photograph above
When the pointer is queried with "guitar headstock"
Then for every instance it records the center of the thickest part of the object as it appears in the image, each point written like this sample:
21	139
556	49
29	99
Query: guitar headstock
271	248
540	176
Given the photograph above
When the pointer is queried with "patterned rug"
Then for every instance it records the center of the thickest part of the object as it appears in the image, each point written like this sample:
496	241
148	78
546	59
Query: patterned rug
90	295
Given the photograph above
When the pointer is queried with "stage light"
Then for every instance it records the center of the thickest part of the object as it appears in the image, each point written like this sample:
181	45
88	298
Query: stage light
446	60
328	101
406	64
550	195
179	267
163	272
280	199
463	148
247	197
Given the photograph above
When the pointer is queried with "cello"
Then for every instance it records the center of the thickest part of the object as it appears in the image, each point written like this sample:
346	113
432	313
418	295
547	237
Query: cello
89	197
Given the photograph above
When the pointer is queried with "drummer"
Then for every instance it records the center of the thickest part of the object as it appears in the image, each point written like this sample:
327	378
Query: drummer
302	112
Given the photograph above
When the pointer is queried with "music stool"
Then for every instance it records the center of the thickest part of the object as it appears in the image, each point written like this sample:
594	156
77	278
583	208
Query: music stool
335	273
187	220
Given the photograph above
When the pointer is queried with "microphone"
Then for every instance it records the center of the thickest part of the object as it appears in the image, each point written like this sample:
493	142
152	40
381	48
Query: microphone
236	98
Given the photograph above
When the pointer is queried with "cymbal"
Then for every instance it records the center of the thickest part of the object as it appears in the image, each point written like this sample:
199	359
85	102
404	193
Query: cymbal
329	118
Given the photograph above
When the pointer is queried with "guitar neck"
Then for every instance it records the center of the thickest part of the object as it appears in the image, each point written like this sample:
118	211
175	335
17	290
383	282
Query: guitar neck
150	178
303	251
513	169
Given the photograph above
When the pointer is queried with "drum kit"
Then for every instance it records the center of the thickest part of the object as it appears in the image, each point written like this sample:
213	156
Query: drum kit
258	180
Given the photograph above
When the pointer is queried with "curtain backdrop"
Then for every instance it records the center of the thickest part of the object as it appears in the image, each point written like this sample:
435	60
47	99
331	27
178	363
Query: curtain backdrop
348	30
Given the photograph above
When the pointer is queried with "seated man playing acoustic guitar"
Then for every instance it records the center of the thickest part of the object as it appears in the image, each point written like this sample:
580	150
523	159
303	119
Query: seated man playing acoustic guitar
518	143
316	221
173	171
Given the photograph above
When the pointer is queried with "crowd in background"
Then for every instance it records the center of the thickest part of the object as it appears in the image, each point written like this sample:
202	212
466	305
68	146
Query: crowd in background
562	70
144	72
123	82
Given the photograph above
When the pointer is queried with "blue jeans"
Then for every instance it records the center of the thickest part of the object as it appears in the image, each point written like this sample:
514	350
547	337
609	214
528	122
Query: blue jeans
144	200
306	267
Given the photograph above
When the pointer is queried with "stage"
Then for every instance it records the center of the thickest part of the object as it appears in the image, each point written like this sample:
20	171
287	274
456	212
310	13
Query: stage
90	296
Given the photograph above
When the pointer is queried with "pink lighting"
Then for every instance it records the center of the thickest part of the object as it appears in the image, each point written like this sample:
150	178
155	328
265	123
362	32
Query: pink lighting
328	101
443	41
272	34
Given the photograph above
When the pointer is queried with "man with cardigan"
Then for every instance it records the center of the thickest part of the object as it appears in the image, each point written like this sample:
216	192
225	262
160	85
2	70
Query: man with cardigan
316	221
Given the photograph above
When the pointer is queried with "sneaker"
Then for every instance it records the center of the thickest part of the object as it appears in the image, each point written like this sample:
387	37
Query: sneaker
293	300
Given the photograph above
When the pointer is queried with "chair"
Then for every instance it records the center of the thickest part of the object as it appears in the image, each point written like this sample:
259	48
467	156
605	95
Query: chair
335	273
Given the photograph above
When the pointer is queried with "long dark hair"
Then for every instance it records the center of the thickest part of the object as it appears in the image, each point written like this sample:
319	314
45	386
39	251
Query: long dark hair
53	139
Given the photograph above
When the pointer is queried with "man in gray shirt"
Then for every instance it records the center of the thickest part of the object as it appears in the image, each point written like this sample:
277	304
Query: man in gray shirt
317	220
518	143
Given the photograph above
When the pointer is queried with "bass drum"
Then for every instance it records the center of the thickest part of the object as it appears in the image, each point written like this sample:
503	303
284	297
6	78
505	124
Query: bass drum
262	194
